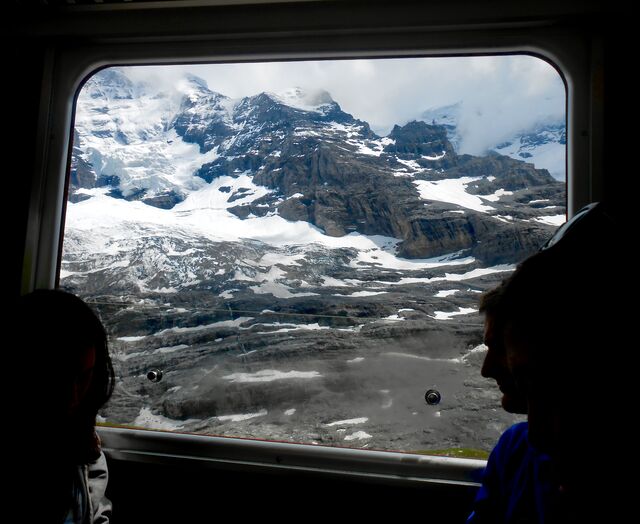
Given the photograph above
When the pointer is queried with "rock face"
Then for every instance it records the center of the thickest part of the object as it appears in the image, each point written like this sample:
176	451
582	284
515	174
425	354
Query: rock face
417	140
294	275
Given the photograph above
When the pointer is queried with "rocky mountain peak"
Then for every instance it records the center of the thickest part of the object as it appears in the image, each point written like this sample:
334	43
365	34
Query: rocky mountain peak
305	99
291	107
189	79
111	84
419	138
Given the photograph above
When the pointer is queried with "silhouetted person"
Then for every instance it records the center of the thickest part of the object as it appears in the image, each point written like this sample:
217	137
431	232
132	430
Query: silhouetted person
61	375
554	348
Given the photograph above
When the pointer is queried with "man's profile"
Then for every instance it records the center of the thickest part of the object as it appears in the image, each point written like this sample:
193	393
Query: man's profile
495	362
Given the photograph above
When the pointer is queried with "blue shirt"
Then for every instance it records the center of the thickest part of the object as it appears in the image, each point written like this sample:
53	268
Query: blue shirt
517	484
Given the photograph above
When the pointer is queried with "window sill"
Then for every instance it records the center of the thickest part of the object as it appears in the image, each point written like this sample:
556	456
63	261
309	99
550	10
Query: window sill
158	447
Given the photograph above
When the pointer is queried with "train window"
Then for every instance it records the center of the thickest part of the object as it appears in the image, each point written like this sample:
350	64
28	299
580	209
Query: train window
294	251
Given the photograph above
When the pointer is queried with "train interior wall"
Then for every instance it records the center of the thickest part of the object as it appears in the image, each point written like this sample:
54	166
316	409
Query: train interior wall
153	493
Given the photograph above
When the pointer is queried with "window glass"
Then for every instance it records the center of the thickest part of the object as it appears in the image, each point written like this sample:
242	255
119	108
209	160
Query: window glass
295	251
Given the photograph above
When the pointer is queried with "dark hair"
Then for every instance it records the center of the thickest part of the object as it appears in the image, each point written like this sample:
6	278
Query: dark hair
56	329
561	299
491	300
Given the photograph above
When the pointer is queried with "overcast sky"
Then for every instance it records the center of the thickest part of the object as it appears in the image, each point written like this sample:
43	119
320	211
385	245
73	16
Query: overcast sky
500	95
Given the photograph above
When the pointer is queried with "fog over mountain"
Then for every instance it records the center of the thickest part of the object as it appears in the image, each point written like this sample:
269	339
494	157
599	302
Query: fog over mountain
294	274
541	141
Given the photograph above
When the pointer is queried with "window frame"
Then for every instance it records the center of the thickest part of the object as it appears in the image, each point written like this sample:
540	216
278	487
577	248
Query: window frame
68	65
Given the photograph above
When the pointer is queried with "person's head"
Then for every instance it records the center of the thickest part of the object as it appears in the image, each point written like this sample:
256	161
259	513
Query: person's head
63	355
543	348
557	323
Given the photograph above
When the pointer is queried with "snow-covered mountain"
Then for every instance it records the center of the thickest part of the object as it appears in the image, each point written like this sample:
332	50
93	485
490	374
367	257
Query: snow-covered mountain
542	143
296	155
209	230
